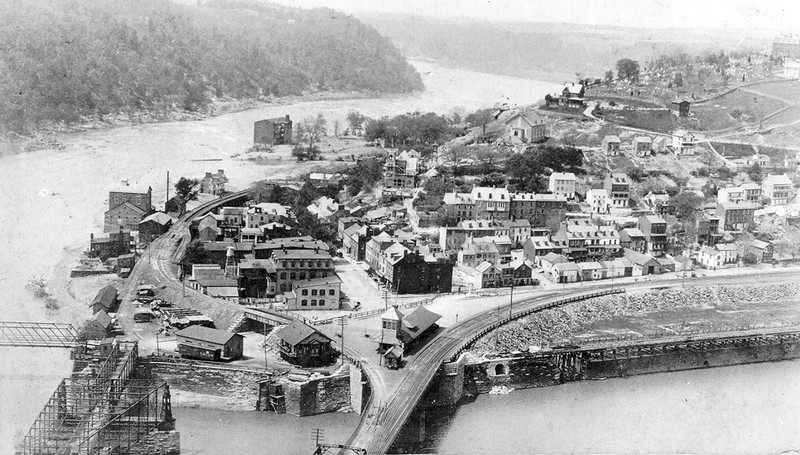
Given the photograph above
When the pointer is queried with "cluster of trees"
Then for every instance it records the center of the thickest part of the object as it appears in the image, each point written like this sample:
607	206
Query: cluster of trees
528	171
627	70
70	59
420	131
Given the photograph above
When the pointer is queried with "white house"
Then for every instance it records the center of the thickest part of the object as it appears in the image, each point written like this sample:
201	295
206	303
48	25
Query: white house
778	188
562	184
791	69
599	200
683	142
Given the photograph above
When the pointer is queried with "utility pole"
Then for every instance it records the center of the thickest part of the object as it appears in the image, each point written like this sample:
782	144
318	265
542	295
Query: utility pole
317	434
265	347
342	323
511	299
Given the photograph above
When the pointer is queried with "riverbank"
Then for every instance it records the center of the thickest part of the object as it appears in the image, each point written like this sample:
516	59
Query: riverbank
644	313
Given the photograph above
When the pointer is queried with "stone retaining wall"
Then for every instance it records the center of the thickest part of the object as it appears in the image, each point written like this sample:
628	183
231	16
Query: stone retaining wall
158	443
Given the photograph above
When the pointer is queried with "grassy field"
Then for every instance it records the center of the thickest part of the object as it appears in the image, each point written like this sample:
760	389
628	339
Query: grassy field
661	121
789	90
735	109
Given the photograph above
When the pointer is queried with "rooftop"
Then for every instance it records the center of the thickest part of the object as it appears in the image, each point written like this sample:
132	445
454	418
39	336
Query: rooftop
214	336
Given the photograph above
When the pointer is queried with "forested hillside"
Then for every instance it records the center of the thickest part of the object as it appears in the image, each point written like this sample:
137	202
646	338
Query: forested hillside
547	51
64	60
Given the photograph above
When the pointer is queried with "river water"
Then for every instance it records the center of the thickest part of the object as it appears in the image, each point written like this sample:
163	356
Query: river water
52	199
741	409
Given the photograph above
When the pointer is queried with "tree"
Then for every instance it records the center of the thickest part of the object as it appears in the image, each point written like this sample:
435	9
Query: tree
195	254
678	79
609	78
628	69
685	205
495	179
356	121
481	117
311	129
336	126
187	189
755	173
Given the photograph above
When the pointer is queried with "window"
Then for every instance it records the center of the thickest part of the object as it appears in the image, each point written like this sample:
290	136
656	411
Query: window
292	276
312	274
313	302
305	291
321	302
313	292
304	302
302	275
283	275
332	292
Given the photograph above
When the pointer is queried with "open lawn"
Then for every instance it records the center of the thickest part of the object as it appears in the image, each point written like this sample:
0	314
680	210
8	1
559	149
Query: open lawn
735	109
661	121
790	90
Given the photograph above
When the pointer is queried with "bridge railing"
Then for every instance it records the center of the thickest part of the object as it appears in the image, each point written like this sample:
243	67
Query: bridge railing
501	321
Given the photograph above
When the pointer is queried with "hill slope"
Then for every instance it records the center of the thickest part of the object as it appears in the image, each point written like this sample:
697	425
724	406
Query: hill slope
65	59
546	51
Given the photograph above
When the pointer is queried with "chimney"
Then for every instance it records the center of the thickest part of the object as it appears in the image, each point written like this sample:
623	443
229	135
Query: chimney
91	237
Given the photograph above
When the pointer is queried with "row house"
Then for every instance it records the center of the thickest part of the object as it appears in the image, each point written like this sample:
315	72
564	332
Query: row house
761	250
354	241
517	230
491	203
654	229
537	247
517	273
562	184
451	238
495	249
642	146
735	216
708	232
748	192
585	241
721	255
459	206
484	275
618	187
539	209
273	131
778	188
409	272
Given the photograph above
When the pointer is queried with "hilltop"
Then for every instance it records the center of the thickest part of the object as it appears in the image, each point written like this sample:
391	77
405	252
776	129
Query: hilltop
68	61
548	51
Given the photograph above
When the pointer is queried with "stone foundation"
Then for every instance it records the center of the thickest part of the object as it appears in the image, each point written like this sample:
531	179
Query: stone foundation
158	443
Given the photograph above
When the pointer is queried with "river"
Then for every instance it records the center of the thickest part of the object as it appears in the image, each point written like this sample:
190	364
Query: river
52	199
741	409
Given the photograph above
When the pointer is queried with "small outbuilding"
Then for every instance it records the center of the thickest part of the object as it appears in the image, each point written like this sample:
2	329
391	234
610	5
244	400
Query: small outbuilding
394	358
200	342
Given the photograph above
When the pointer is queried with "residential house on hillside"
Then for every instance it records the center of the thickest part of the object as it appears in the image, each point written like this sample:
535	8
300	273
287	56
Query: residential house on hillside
518	231
642	146
778	188
109	245
586	241
107	299
176	206
400	172
618	187
681	106
610	145
486	275
305	346
209	227
518	273
562	184
550	260
572	95
354	241
539	209
266	212
599	201
735	216
654	229
525	128
762	251
683	143
214	183
408	272
459	206
708	232
633	239
660	144
274	131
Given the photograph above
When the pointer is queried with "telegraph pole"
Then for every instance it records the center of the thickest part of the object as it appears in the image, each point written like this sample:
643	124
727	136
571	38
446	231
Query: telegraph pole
342	323
511	300
317	434
265	347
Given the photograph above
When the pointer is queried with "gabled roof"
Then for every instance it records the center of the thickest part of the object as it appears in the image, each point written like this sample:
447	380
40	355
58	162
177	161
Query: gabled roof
638	258
392	314
159	217
297	332
106	297
215	336
127	205
760	244
590	265
562	176
611	138
484	266
726	247
418	321
102	318
781	179
555	258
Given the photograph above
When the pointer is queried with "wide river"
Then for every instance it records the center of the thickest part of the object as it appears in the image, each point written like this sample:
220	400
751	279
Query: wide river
52	199
741	409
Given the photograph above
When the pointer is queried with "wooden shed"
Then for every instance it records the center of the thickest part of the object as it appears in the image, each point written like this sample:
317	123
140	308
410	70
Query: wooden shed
200	342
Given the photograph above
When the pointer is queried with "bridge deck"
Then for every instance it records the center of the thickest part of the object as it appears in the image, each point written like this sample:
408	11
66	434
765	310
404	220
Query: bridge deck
38	334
